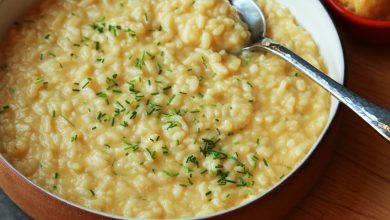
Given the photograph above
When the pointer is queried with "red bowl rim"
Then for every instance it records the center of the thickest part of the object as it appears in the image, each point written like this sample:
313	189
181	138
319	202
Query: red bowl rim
356	18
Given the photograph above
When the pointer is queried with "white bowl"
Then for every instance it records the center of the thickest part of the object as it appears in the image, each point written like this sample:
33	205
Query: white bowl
310	14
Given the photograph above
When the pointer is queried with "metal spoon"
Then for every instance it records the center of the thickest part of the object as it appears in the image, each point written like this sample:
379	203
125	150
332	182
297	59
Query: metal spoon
251	14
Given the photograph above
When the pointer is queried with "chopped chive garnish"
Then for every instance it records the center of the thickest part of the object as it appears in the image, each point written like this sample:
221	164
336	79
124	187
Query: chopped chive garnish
165	150
101	95
4	109
171	99
192	159
67	120
169	173
146	17
167	88
204	62
140	62
97	45
38	81
159	69
254	159
265	162
133	115
74	138
133	147
86	84
151	154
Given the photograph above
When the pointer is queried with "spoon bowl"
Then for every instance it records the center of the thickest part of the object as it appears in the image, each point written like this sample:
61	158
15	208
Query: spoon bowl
251	14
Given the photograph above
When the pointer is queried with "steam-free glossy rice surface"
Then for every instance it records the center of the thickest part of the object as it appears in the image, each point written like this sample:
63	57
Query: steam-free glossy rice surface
139	108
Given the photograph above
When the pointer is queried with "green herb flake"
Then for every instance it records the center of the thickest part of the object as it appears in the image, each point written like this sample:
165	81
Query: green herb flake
192	159
152	154
39	81
169	173
204	62
242	183
171	99
4	109
86	83
146	17
67	120
100	60
130	32
140	62
209	145
254	159
130	146
296	74
114	29
101	95
265	162
97	45
165	150
74	138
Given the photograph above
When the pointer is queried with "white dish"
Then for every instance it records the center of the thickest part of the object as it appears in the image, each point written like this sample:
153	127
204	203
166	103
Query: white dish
311	15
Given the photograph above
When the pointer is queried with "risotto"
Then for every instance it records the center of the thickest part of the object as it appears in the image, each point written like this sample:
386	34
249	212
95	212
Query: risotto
139	108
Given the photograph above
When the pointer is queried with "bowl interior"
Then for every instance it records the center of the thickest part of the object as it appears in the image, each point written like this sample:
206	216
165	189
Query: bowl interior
311	15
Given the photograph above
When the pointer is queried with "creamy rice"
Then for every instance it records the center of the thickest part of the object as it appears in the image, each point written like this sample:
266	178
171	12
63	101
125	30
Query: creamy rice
137	108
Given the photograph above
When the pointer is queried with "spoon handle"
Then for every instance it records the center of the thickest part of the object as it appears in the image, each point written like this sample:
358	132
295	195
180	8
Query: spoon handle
377	117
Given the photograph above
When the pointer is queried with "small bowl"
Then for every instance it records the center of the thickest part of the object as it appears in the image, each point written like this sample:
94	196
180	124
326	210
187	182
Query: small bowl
365	29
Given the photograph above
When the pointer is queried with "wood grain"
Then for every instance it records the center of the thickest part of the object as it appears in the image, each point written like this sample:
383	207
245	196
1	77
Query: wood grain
357	183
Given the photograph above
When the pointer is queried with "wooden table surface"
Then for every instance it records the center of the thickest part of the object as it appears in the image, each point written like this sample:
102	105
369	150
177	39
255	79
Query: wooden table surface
356	184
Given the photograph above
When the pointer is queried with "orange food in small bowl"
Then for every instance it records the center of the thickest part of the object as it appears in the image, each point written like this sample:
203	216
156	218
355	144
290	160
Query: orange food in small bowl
373	9
368	20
